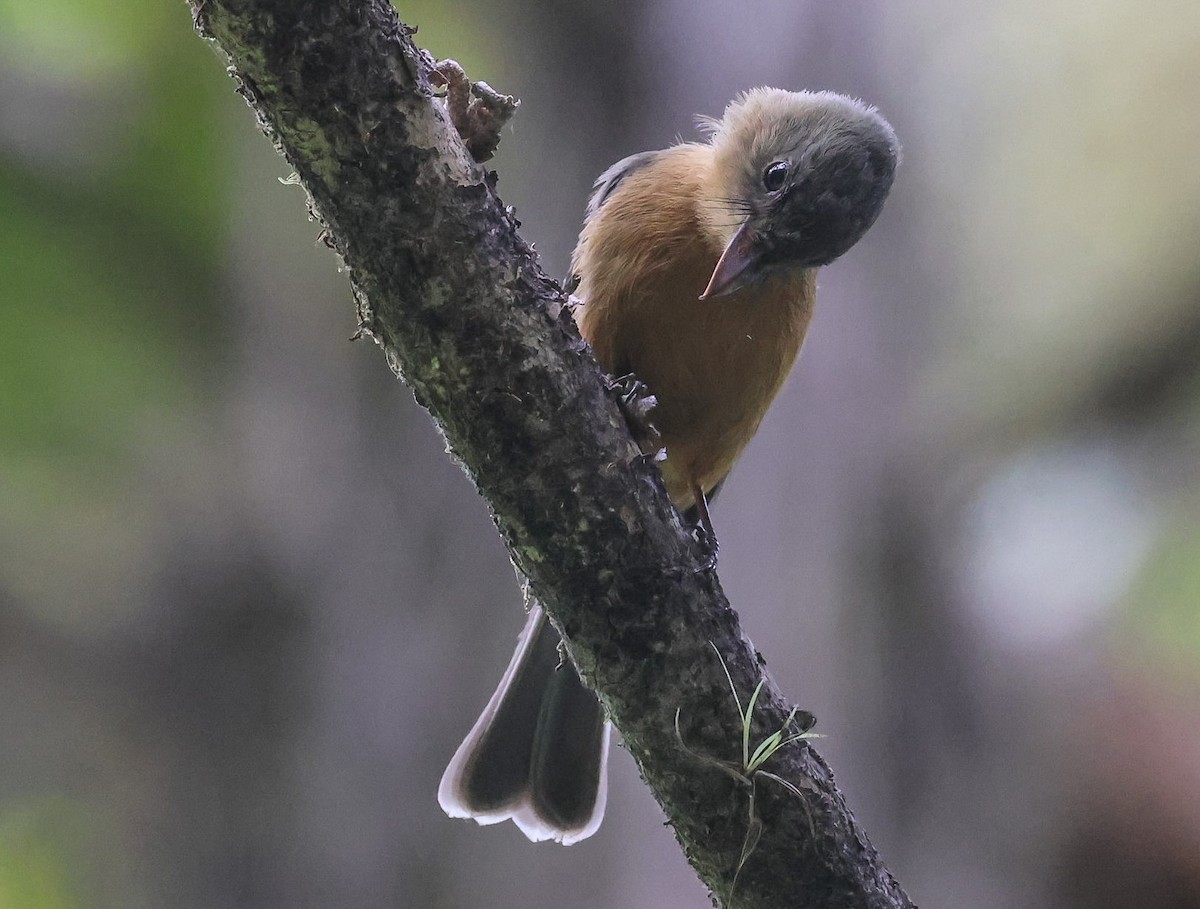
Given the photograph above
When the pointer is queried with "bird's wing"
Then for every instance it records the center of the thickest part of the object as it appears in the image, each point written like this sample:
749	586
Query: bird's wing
604	187
608	181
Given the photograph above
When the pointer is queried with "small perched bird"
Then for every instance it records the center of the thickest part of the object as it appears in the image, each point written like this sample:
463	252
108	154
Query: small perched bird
696	270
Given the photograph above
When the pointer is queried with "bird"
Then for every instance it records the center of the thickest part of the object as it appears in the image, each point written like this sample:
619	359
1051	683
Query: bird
695	272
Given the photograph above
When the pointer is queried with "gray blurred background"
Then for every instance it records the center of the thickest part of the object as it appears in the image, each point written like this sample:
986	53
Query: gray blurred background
248	606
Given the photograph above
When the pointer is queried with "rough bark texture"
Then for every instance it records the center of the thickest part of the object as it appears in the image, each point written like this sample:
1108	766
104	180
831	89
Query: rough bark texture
457	302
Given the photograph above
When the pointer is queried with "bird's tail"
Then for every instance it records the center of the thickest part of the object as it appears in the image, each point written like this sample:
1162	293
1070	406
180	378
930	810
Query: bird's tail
538	753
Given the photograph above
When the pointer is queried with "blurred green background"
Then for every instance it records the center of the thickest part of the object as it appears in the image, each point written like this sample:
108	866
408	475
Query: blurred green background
248	607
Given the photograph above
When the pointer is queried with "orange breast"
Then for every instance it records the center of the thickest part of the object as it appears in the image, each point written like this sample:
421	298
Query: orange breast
714	365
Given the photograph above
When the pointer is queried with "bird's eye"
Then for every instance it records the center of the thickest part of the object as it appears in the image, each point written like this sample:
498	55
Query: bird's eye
774	176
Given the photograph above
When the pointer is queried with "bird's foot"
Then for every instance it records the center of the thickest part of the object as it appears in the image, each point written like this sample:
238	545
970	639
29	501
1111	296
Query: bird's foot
709	547
703	530
636	404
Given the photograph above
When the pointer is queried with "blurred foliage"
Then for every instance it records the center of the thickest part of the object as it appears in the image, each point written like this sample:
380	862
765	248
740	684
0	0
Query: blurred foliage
442	31
110	262
100	250
37	867
114	184
1161	625
1050	140
75	39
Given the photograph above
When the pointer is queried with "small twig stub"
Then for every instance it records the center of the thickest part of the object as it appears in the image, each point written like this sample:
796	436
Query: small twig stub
477	110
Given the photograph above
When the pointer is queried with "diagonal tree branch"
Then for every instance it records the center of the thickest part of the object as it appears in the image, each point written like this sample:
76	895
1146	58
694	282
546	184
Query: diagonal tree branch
454	297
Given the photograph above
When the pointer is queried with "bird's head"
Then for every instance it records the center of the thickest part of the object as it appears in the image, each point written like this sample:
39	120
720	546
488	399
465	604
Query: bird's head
796	180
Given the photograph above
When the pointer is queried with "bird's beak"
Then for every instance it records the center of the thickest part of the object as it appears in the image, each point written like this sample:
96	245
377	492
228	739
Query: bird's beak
735	267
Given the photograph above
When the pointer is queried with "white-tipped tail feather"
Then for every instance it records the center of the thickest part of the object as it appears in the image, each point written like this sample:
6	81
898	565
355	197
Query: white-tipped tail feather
538	753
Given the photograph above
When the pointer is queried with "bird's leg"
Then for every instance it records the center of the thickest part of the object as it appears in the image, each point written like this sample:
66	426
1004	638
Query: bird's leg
636	403
704	530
